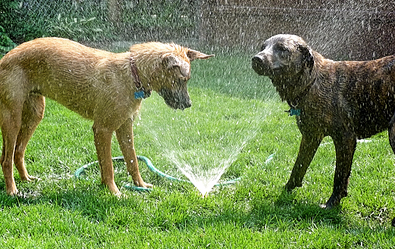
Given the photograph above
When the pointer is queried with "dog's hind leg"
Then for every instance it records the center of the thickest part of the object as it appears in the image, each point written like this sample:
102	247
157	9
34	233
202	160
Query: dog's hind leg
10	125
125	140
32	114
345	144
308	147
391	135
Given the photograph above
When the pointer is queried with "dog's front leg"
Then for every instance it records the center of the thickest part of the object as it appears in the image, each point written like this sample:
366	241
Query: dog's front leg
307	149
345	144
103	148
125	140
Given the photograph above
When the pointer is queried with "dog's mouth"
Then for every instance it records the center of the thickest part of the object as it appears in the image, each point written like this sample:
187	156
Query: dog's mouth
176	99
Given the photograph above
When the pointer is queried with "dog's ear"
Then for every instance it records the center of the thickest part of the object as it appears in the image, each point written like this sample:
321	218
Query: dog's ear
308	57
193	55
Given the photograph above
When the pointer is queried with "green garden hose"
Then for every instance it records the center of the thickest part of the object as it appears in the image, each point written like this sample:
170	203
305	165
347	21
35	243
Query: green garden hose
149	164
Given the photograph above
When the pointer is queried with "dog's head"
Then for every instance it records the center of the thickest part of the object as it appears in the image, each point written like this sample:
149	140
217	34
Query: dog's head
176	73
283	56
167	70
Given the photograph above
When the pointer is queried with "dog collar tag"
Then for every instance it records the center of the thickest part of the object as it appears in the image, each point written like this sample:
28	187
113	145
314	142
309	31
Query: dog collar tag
139	95
294	111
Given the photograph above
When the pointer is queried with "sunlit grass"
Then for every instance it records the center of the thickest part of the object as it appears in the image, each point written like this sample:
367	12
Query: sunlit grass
61	212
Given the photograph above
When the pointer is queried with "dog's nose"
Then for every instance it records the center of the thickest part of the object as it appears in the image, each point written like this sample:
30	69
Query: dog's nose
187	105
257	64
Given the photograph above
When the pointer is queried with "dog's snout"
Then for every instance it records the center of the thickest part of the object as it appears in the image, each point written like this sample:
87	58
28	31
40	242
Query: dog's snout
258	64
176	99
188	104
185	105
182	102
257	59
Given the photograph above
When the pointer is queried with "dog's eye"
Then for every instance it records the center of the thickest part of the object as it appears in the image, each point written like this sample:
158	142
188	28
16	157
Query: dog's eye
183	71
282	48
175	68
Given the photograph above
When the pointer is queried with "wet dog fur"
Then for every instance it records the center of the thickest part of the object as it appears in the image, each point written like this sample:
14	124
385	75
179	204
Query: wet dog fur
346	100
96	84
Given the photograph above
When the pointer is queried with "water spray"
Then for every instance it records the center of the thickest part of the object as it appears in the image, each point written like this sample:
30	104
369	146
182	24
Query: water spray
150	166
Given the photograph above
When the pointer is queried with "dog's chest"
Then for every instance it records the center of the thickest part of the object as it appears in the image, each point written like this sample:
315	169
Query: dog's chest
316	115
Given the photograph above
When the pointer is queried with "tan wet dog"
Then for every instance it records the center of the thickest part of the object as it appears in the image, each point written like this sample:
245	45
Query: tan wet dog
346	100
105	87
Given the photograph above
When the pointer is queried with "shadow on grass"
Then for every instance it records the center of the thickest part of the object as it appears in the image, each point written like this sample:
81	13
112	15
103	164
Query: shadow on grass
304	210
287	212
165	209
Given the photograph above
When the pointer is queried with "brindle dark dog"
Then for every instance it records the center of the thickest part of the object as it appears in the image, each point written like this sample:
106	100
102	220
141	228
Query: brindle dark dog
346	100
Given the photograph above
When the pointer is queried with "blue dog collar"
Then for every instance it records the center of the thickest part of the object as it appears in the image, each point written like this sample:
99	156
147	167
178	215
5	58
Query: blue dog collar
142	94
294	112
139	95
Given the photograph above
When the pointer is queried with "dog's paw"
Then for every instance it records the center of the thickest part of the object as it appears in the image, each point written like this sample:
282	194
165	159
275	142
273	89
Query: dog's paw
148	185
289	187
333	202
323	206
142	184
30	178
12	192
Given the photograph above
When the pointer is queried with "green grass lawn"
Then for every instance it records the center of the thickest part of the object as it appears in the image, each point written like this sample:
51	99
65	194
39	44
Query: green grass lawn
61	212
